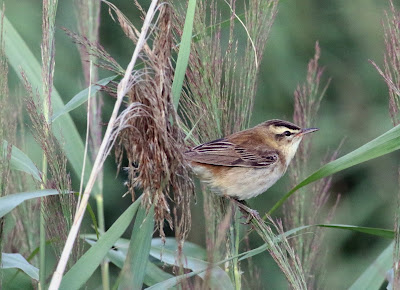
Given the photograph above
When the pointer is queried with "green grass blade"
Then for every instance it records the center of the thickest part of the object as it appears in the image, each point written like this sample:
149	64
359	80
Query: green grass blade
81	97
17	261
374	275
20	161
20	58
9	202
384	233
184	52
88	263
389	234
134	269
384	144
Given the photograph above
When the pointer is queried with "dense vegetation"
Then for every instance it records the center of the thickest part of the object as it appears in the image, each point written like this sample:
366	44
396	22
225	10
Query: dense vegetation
326	64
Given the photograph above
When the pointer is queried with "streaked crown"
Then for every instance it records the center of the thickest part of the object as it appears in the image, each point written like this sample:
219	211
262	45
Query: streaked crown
283	133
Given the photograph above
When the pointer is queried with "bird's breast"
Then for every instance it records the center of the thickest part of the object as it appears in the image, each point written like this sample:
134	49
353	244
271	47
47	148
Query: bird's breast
239	182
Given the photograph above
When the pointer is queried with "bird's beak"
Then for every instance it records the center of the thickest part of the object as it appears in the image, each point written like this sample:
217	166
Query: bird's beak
306	131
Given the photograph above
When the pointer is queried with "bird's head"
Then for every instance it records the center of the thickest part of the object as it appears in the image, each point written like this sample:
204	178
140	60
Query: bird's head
284	136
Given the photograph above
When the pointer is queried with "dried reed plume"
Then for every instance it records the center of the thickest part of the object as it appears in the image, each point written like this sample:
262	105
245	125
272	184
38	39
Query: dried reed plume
152	142
391	75
148	133
307	99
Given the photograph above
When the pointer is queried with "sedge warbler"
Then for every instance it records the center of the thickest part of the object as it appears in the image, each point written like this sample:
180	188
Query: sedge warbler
247	163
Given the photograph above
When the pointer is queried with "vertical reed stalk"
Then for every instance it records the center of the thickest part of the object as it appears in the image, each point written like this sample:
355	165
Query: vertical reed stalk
88	16
48	62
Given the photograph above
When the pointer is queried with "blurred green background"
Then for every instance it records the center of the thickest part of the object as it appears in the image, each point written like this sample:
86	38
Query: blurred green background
355	108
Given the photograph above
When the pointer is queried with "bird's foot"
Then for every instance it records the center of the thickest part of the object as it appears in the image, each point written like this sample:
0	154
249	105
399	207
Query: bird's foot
249	213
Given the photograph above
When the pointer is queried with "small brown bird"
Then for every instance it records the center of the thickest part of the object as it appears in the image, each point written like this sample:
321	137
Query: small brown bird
247	163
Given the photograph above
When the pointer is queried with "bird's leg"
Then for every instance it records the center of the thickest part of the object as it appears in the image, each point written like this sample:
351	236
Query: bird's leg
251	213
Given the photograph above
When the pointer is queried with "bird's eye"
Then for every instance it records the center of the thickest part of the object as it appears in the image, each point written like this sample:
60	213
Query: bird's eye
287	133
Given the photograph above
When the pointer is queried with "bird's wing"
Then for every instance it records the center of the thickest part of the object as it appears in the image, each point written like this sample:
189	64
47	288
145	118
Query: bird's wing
223	152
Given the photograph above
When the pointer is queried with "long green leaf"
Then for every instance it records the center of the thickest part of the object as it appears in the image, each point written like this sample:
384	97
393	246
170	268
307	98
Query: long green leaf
81	97
384	233
20	58
189	249
11	201
153	275
17	261
12	279
384	144
184	52
134	269
88	263
389	234
374	275
20	161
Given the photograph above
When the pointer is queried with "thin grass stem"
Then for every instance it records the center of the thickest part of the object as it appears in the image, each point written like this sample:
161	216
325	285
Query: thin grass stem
48	51
237	274
42	245
105	275
87	136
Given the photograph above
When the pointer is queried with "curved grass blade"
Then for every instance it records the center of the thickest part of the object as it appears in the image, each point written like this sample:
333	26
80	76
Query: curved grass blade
389	234
374	275
264	247
9	202
81	97
382	145
17	261
88	263
184	52
20	161
134	269
20	57
384	233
